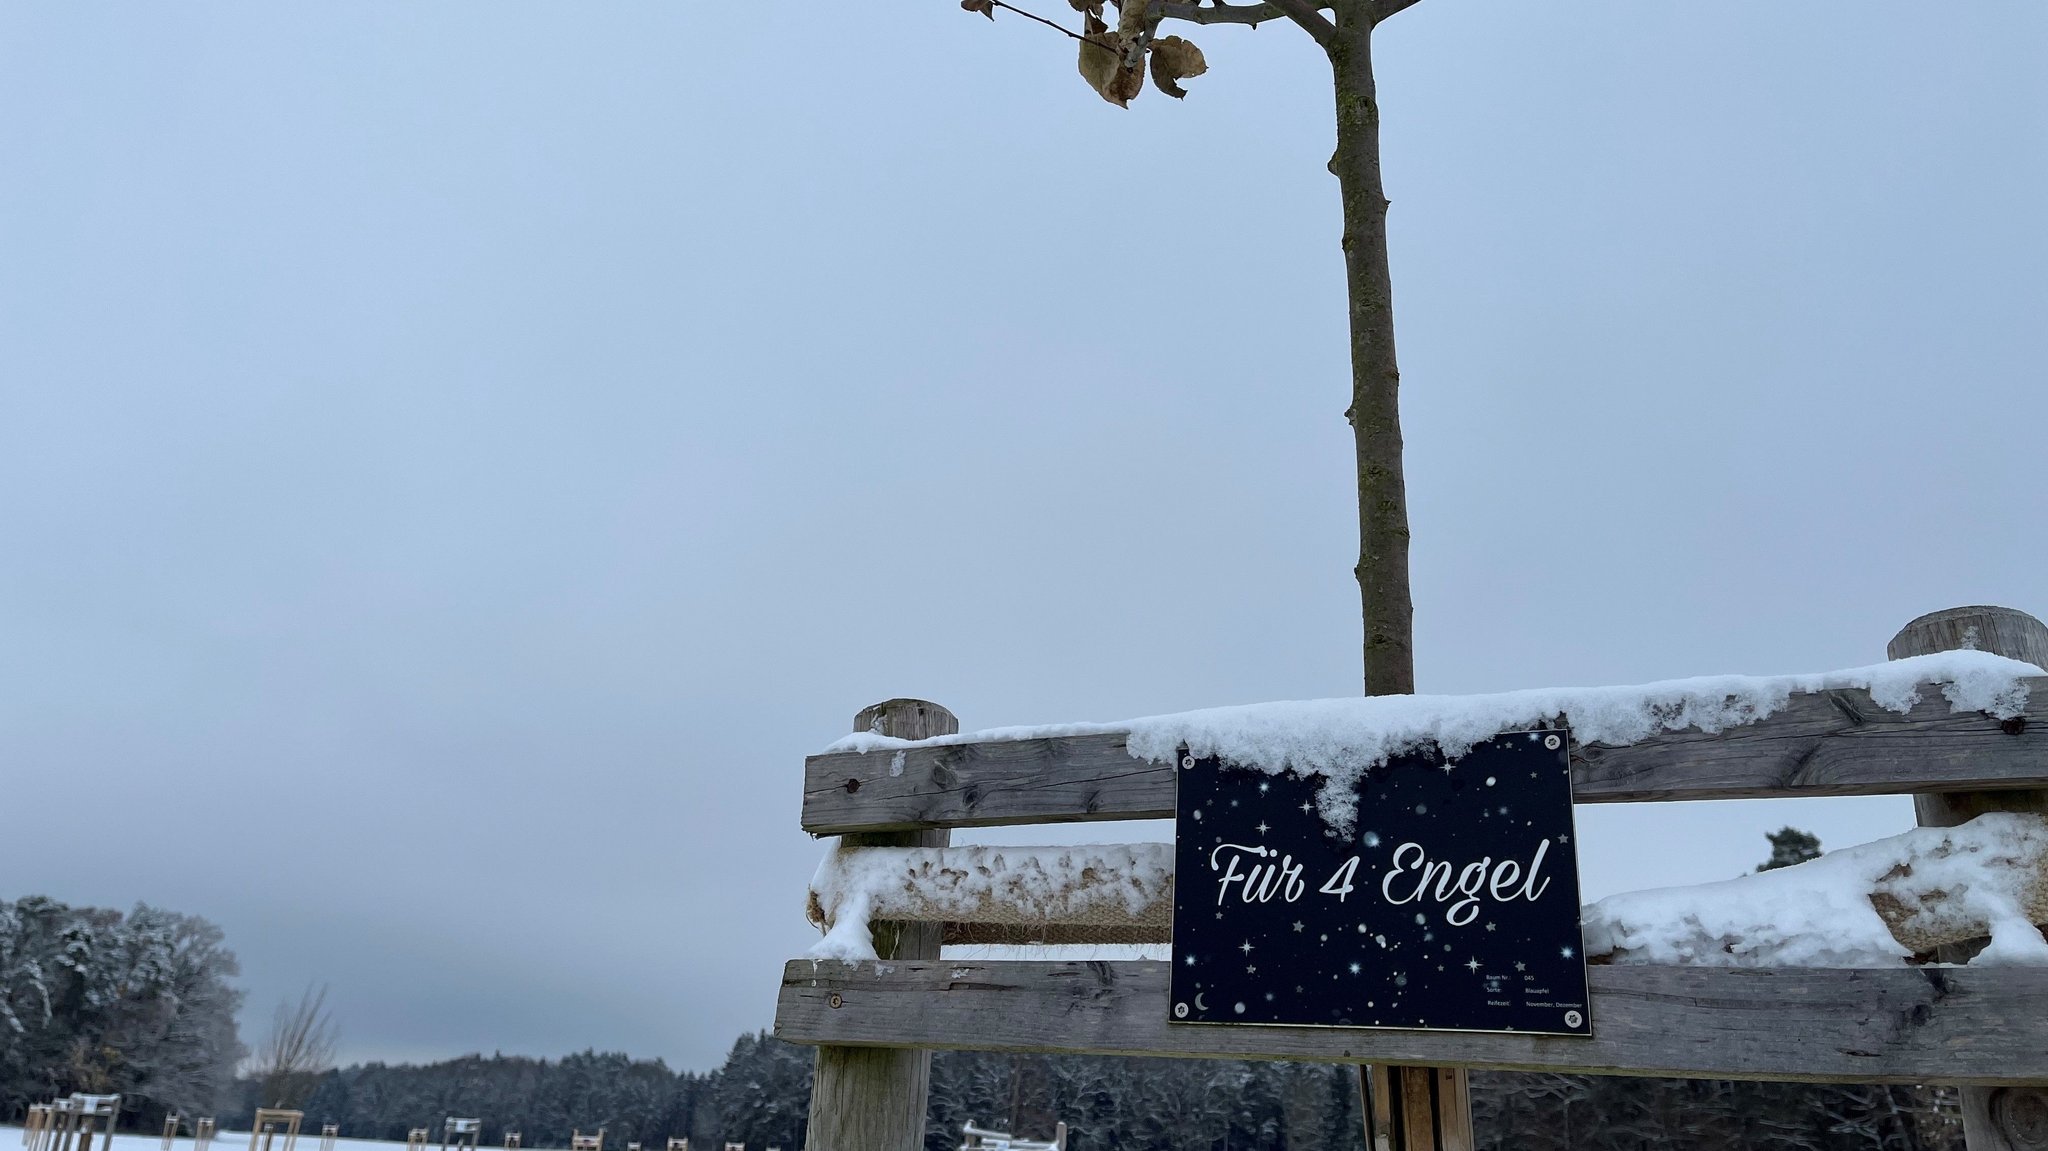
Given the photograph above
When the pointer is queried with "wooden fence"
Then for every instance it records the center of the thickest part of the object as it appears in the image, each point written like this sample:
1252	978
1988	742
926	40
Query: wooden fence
1982	1027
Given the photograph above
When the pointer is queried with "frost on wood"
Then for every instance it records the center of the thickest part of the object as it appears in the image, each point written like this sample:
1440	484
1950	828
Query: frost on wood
1112	885
1339	739
1876	905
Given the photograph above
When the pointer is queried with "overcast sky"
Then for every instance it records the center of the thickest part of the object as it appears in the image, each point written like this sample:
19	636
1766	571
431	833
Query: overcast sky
456	459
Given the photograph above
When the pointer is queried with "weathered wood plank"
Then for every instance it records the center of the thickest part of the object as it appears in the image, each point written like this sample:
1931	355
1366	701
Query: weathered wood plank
1905	1025
870	1098
1826	743
1994	1118
1067	780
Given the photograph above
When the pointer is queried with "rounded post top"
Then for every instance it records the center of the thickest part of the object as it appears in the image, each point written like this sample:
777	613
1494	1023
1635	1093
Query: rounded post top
1999	630
907	719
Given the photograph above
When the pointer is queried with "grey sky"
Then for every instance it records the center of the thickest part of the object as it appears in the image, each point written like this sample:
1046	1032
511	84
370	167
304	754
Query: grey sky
456	459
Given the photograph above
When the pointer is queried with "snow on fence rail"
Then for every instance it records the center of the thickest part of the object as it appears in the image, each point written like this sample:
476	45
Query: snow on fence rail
1097	893
1815	973
1985	729
1881	904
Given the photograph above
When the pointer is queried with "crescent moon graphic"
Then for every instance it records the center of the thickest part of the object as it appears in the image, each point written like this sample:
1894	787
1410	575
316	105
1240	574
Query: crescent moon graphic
1199	1005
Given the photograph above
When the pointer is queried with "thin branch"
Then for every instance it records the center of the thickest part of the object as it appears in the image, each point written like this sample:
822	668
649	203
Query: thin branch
1043	20
1303	12
1382	9
1306	14
1252	14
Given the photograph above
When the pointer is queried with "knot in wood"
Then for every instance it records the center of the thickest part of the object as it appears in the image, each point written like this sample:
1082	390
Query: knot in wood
2021	1115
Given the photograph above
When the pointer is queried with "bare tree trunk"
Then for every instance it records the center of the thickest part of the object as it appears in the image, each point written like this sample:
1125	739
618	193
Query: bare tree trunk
1375	411
1407	1108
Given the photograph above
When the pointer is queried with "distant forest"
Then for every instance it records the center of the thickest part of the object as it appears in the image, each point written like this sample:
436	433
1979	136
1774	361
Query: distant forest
761	1095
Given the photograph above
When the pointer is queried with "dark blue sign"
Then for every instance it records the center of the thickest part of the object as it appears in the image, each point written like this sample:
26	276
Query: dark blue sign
1451	905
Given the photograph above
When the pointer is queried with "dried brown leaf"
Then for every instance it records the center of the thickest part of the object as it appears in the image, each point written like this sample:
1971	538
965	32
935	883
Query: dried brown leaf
985	7
1175	59
1102	53
1128	81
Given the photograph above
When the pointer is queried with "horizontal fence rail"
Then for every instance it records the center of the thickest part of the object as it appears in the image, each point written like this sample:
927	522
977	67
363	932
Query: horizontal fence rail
1824	743
1897	1025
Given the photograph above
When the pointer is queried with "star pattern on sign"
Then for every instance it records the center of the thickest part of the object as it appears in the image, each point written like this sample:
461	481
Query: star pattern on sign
1324	928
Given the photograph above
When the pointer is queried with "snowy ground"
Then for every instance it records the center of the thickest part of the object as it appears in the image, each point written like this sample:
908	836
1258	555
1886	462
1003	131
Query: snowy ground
10	1138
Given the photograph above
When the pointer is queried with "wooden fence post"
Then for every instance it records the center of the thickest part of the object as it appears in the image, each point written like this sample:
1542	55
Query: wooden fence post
873	1098
1994	1118
1416	1108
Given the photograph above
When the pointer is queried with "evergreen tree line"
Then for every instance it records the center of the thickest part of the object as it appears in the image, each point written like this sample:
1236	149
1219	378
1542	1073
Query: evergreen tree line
101	1002
761	1097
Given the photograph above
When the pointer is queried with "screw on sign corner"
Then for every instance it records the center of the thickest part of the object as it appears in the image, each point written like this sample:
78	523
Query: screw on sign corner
835	1000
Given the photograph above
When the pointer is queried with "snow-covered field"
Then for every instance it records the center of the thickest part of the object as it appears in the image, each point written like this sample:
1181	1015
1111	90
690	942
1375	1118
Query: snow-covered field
10	1139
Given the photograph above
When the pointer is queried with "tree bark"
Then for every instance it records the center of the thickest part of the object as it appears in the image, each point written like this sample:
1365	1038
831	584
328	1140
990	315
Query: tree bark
1375	411
1409	1108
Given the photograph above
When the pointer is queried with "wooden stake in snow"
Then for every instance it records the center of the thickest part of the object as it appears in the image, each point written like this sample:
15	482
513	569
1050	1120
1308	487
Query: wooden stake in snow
36	1126
86	1115
269	1124
1994	1118
460	1134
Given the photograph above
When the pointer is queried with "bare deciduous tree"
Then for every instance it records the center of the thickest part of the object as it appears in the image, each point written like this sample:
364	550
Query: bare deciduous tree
299	1049
1114	59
